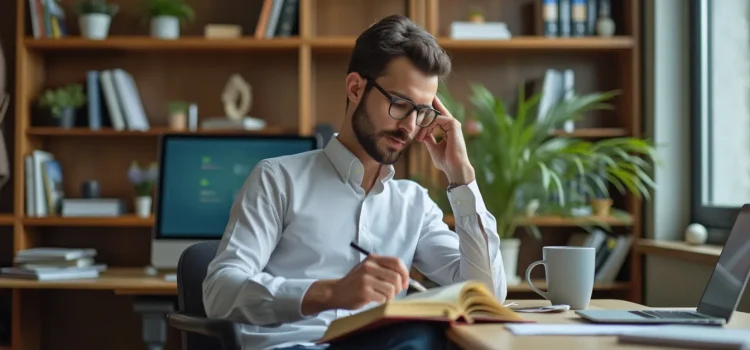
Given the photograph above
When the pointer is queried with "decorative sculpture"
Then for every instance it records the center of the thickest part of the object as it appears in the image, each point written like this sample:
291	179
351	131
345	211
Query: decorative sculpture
237	98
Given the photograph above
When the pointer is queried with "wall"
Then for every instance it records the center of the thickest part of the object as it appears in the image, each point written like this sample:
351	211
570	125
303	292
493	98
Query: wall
670	282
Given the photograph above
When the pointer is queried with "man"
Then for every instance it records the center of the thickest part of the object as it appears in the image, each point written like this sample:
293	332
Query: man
285	266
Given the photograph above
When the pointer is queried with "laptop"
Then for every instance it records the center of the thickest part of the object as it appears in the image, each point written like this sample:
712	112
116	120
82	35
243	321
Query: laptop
720	297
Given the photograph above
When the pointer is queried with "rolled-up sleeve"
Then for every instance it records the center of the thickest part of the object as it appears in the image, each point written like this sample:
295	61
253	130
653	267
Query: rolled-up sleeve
471	252
236	287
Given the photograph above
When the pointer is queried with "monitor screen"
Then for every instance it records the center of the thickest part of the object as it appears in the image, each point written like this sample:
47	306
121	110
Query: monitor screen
727	282
200	176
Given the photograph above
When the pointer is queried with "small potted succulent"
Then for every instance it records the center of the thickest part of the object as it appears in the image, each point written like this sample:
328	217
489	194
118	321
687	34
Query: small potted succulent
178	115
143	181
165	17
63	102
95	17
476	15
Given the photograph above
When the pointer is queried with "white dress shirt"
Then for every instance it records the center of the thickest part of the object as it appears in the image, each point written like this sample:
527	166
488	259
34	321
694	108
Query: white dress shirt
292	224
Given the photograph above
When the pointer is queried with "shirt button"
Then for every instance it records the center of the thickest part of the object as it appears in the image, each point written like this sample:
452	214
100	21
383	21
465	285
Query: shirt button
458	202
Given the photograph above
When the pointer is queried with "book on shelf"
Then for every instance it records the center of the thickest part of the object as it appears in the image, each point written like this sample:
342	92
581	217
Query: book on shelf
610	252
47	19
51	263
465	302
569	18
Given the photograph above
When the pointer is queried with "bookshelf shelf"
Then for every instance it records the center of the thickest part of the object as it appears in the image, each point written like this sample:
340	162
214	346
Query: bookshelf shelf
121	221
154	131
138	43
6	219
558	221
333	43
540	43
594	132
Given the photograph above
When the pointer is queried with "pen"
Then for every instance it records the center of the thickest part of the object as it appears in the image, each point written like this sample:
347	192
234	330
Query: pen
416	285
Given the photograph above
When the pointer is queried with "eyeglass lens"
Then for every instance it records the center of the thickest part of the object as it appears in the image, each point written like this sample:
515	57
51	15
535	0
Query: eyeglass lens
401	109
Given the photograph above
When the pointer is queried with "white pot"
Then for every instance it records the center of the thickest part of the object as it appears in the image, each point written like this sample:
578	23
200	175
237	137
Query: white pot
143	206
509	251
94	25
165	27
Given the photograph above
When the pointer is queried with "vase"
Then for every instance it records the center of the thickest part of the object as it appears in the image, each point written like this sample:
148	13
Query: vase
67	117
143	206
601	206
165	27
94	26
509	252
605	27
178	121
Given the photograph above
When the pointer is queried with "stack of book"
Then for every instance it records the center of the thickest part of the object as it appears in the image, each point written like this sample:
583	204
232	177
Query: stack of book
47	263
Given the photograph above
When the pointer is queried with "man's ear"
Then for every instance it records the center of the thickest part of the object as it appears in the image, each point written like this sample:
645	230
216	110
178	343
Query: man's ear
355	87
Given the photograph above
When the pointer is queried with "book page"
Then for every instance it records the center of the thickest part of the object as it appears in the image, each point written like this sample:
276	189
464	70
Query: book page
445	294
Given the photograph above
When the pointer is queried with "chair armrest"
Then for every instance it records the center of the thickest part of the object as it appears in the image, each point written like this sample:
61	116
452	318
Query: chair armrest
226	331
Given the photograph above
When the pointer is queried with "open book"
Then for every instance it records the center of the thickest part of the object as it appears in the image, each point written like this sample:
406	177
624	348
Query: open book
465	302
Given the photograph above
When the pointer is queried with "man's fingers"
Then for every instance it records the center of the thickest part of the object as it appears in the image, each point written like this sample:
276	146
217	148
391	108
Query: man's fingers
439	106
395	265
385	290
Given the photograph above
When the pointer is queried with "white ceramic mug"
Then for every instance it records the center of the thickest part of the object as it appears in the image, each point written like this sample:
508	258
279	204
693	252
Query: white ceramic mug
570	275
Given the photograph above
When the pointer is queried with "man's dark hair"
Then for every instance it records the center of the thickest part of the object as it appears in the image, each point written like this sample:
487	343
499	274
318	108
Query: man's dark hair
396	36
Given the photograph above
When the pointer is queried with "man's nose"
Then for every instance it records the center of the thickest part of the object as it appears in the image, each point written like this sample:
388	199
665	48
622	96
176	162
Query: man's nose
409	124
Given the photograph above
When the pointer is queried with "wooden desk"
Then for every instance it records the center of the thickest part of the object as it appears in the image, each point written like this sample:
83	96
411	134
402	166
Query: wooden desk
126	281
495	336
152	300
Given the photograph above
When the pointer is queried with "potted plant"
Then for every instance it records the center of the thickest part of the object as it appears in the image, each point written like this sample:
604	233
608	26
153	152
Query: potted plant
95	17
143	180
178	115
165	17
519	162
63	102
476	15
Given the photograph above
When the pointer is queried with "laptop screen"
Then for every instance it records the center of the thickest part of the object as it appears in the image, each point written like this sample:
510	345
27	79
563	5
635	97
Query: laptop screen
727	282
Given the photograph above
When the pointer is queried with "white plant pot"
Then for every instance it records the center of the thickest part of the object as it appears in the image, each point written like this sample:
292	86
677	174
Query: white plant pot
509	251
165	27
143	206
94	26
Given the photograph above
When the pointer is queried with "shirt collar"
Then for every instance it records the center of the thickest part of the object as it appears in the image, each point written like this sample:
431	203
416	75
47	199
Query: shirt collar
348	165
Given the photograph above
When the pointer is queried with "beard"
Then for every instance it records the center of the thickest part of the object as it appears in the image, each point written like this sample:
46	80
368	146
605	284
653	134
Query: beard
368	137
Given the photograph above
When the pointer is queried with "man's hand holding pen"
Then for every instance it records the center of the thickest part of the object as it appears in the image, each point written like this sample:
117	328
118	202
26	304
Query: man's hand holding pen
375	279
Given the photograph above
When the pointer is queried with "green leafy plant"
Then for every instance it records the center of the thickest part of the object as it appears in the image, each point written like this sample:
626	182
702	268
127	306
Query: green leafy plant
97	6
70	96
518	159
178	107
174	8
143	179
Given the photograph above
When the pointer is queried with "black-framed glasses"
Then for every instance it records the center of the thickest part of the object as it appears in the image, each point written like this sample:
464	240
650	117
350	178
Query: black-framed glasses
401	108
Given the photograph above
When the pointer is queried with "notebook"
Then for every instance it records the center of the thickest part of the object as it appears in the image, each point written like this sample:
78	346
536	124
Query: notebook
690	336
465	302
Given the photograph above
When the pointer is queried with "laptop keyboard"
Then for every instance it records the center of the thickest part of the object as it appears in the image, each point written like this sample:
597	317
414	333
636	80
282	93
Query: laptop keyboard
669	314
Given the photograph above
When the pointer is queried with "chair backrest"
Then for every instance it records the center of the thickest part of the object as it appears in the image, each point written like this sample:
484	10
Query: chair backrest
191	271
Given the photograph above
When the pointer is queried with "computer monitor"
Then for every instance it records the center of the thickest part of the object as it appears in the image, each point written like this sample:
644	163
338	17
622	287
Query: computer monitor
199	178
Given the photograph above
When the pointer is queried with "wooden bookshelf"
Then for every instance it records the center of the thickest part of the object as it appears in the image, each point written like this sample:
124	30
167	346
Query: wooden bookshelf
156	131
6	219
120	221
297	84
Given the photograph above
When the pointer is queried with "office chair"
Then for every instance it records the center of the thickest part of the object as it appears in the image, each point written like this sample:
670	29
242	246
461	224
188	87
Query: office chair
198	331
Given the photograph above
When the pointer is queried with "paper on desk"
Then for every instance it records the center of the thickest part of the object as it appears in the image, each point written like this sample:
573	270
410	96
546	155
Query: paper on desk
572	329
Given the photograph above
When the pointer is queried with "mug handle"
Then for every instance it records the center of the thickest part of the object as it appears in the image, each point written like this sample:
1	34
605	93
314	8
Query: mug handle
528	277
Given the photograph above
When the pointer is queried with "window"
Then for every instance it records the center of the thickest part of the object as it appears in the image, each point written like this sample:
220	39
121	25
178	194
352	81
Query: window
720	108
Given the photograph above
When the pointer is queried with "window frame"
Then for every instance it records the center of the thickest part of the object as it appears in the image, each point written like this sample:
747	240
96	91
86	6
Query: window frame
718	220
